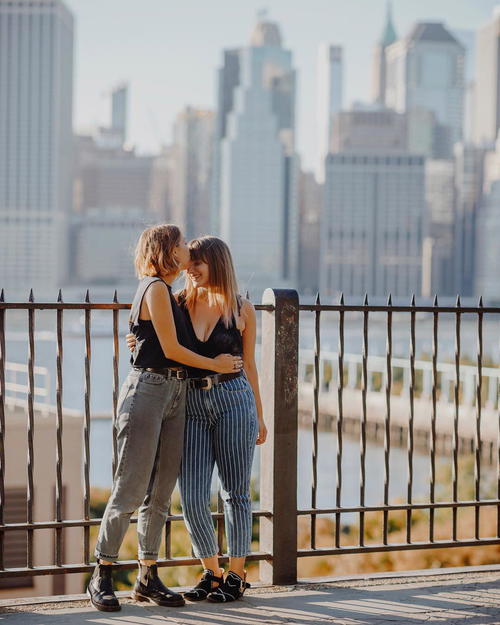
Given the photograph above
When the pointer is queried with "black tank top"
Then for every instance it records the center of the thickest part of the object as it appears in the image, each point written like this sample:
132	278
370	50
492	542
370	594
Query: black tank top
222	340
148	351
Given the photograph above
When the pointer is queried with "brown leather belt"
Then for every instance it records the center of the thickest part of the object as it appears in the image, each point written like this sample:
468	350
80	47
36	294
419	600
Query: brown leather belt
208	381
178	374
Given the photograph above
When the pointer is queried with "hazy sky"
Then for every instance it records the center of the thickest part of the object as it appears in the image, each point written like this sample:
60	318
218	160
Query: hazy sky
169	52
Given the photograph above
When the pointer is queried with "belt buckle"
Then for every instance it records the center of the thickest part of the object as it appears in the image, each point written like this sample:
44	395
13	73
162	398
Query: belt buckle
181	374
209	384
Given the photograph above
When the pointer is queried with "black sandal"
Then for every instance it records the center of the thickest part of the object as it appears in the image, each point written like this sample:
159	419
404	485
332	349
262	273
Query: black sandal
232	588
204	586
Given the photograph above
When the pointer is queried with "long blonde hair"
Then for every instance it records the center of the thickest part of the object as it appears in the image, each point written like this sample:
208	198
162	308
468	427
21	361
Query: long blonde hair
154	251
222	287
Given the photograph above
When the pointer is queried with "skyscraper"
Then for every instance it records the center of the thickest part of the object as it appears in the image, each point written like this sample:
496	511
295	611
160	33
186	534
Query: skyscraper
468	40
379	76
487	281
469	162
192	169
487	89
329	103
425	70
119	105
255	165
310	200
114	198
438	269
36	93
372	218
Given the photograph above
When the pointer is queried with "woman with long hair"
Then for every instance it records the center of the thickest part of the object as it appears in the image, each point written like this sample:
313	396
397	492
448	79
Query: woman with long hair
149	425
224	419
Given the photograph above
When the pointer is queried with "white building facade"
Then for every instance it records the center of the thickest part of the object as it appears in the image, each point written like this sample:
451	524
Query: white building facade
36	91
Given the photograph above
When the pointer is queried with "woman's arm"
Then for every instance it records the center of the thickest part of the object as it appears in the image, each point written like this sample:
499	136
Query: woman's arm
157	300
249	366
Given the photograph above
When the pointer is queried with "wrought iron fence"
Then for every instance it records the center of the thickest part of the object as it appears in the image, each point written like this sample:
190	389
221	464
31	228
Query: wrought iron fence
278	512
410	505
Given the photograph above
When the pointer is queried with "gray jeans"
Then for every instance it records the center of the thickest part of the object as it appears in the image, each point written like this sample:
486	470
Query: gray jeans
149	431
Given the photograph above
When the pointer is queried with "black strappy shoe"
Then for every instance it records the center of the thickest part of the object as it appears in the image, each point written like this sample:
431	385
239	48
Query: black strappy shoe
204	586
232	588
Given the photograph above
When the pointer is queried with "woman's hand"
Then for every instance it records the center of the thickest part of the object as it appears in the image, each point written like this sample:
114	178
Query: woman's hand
131	341
261	438
227	363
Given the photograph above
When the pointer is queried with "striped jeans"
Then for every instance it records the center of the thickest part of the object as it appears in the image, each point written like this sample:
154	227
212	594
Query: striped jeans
221	428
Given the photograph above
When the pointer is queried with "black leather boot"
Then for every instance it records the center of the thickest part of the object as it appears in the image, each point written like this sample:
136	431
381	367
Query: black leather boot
204	586
100	589
149	587
232	588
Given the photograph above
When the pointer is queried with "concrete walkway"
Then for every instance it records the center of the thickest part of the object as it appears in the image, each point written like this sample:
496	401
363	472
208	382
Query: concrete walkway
472	598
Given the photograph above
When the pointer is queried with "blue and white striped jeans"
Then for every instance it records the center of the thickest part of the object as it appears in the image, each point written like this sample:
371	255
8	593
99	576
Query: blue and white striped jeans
221	428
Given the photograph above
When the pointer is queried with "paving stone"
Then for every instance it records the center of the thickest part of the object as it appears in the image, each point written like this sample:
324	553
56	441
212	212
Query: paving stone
468	599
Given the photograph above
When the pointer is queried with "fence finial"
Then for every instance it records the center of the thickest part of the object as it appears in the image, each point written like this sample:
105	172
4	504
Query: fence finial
365	301
317	300
435	302
2	296
31	297
59	296
413	299
480	304
458	301
87	297
115	297
341	299
389	300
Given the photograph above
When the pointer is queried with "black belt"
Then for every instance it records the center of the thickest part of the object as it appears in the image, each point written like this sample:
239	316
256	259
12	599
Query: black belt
178	374
208	381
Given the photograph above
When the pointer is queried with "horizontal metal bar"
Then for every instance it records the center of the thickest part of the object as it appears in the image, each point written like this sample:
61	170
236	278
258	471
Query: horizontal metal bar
267	307
63	306
402	506
43	525
436	544
124	564
89	306
406	309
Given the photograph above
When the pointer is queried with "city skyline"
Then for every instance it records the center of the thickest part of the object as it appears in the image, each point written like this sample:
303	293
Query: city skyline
102	61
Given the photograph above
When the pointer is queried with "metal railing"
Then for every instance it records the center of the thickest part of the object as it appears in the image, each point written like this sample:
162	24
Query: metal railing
410	506
279	376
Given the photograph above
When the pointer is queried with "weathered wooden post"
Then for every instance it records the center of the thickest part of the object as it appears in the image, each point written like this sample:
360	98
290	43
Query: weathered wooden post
278	459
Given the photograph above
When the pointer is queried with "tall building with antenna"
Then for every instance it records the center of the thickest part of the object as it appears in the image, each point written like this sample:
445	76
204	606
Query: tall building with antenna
379	75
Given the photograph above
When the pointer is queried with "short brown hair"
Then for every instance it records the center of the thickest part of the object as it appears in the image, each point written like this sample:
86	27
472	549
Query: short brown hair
154	251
